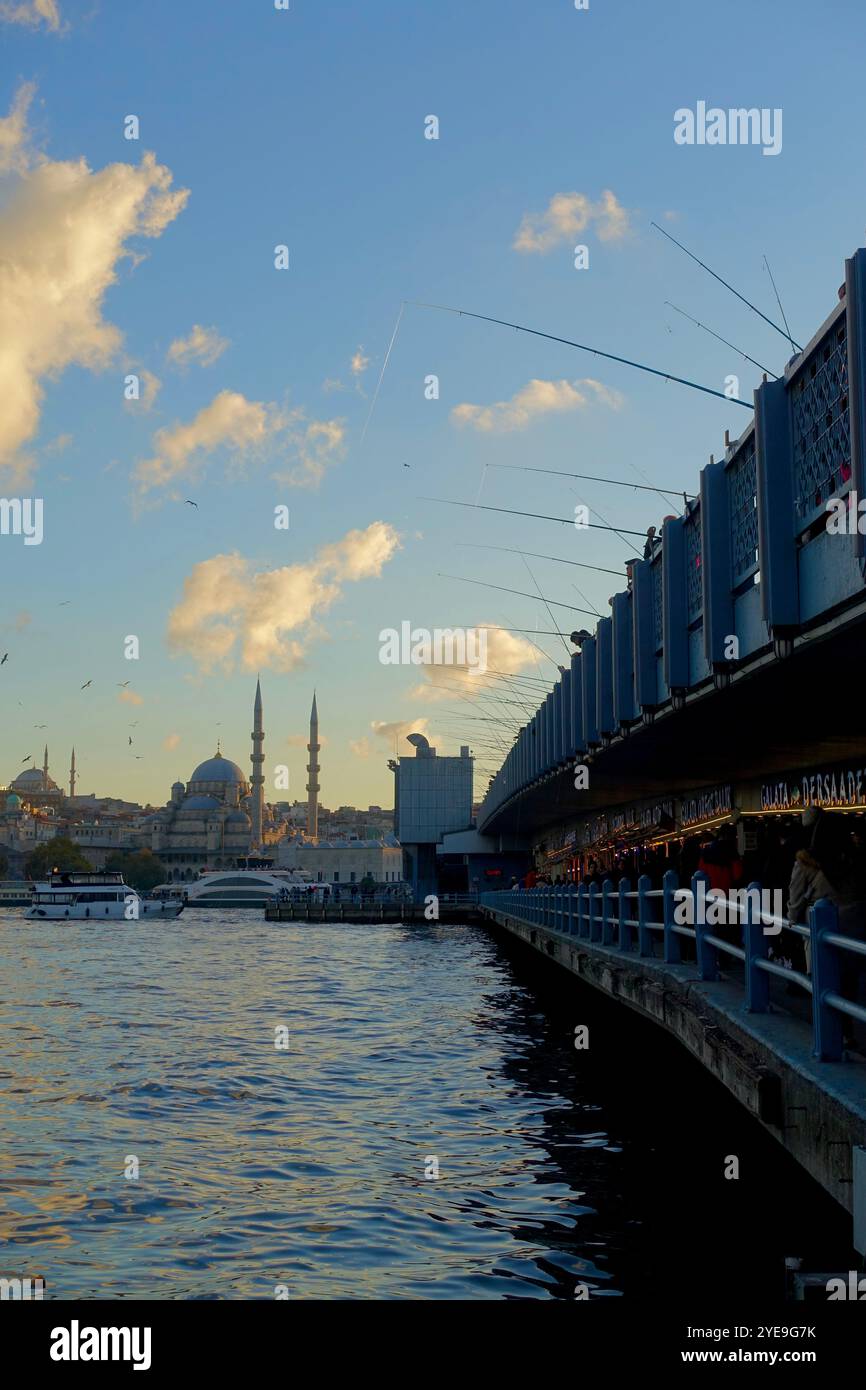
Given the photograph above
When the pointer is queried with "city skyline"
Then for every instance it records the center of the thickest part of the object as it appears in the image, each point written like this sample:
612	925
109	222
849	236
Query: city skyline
258	386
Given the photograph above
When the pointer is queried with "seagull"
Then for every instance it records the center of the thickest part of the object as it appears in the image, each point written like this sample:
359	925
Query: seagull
192	504
86	684
121	684
130	740
64	603
407	465
5	659
138	757
27	759
132	726
40	726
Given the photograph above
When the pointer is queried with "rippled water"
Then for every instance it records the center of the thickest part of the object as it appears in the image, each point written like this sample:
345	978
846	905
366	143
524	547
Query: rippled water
305	1167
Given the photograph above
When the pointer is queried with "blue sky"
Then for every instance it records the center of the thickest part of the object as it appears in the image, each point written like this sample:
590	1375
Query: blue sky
306	128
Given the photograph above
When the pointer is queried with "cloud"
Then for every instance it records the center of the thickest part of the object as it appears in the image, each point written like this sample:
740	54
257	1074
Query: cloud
170	742
566	216
129	697
230	421
301	740
399	728
313	446
361	747
359	363
23	619
535	399
246	429
63	232
14	146
203	345
31	13
507	654
269	619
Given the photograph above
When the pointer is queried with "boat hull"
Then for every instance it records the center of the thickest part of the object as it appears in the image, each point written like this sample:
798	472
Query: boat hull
110	913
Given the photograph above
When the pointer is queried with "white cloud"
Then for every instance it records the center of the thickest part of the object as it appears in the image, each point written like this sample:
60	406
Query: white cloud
63	232
247	429
203	345
170	742
507	654
31	12
14	150
359	363
269	619
230	421
129	697
398	729
533	400
566	216
361	747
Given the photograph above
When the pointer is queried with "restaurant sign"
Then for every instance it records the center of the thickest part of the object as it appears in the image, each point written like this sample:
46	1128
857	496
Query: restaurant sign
843	787
708	806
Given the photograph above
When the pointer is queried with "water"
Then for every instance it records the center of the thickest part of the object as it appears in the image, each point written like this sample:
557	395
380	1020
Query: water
305	1167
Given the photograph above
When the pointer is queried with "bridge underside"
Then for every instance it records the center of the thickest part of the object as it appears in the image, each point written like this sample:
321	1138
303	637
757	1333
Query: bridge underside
804	711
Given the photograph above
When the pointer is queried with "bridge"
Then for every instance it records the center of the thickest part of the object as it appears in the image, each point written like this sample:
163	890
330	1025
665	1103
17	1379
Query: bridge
724	685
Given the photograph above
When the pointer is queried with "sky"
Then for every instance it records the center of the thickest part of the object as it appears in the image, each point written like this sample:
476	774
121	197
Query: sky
263	388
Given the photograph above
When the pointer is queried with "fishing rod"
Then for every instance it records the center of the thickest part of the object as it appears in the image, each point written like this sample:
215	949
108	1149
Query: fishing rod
778	301
520	594
591	477
534	555
583	347
547	605
739	296
733	346
538	516
524	631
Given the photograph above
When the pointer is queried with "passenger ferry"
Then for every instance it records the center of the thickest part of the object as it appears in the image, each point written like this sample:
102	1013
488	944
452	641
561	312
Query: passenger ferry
78	896
234	888
15	894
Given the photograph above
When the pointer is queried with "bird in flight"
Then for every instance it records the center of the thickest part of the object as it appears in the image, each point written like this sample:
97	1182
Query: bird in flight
407	465
130	740
27	759
133	724
138	757
65	602
192	504
86	684
5	659
40	726
122	684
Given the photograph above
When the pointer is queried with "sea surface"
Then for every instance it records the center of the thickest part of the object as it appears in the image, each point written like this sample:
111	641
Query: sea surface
155	1142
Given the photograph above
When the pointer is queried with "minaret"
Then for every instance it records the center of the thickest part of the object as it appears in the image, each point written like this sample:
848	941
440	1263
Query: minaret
72	775
313	769
45	771
257	758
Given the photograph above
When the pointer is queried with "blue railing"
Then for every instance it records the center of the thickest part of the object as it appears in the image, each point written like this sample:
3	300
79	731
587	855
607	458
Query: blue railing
634	920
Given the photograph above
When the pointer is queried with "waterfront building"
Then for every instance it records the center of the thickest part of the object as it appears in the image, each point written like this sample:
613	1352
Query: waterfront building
343	862
432	796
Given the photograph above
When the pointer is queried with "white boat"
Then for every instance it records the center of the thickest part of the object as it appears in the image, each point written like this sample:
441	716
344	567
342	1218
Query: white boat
78	896
15	894
236	888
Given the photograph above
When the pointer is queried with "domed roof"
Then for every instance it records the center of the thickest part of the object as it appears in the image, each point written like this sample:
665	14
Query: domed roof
237	818
199	803
31	780
217	769
12	802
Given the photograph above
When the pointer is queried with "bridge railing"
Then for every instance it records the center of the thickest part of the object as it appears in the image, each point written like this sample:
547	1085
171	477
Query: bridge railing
637	920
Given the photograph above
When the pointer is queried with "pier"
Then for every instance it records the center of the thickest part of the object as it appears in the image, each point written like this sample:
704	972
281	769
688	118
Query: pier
788	1068
454	908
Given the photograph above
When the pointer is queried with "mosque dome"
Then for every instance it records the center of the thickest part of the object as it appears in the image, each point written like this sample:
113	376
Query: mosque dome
31	780
199	803
13	802
218	769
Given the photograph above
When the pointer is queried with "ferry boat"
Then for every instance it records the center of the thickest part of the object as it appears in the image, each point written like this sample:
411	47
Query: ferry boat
15	893
78	896
235	888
